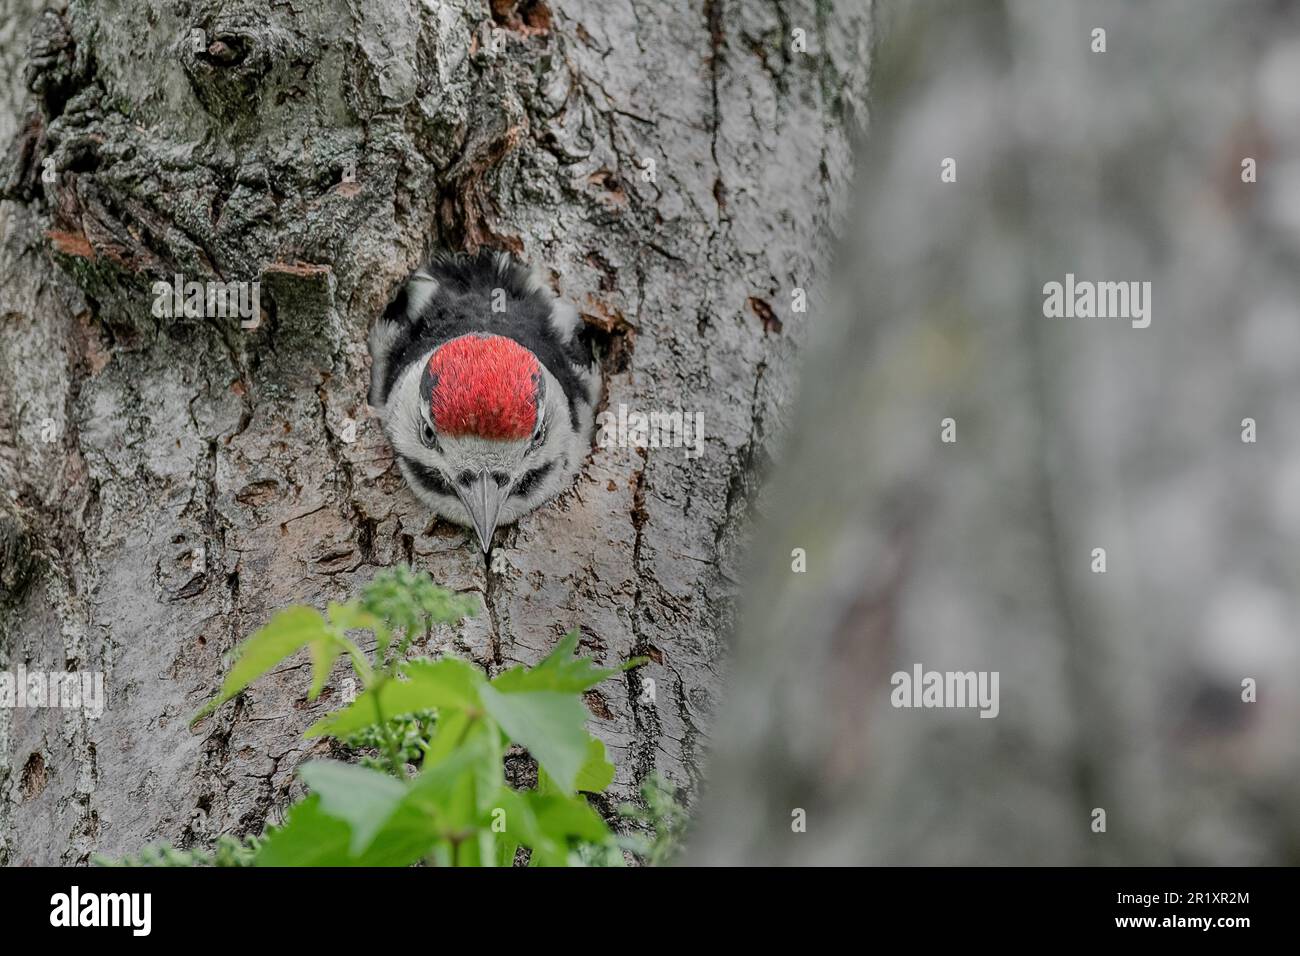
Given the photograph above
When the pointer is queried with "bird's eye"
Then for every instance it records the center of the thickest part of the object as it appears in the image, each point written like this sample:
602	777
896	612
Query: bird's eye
427	435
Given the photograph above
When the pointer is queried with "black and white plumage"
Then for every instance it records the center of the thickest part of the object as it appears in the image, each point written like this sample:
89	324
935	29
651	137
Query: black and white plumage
486	387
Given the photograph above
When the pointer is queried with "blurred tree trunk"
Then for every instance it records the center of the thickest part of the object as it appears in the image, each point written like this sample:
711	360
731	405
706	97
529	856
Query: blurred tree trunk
1119	691
674	167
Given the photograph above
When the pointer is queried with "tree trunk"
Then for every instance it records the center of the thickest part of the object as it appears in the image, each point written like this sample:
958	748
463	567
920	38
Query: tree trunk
170	483
1121	691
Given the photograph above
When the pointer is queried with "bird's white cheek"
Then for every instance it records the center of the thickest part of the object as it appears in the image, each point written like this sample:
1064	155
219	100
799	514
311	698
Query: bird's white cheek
404	443
512	511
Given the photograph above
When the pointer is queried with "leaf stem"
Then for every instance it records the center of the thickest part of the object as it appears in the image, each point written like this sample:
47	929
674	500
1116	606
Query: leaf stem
394	753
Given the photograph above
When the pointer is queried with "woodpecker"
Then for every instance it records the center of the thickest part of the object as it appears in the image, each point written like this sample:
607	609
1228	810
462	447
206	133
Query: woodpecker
486	387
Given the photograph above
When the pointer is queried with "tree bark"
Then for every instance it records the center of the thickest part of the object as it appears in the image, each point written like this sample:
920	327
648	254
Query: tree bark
200	475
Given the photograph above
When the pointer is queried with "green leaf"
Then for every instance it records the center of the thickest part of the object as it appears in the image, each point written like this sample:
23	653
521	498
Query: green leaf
522	828
361	798
507	847
446	684
323	656
559	816
547	825
312	837
447	736
551	725
352	617
597	772
286	632
309	837
445	802
559	671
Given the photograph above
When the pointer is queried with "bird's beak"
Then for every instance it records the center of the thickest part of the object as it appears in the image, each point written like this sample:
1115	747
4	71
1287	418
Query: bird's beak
483	502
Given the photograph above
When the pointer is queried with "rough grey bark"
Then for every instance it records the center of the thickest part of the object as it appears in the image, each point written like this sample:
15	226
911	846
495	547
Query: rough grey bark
227	160
1120	691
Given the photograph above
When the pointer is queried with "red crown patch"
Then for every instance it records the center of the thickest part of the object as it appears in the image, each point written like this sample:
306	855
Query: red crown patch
484	385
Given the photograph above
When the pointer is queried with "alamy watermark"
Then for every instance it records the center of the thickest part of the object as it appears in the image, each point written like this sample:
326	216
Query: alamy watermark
208	300
1101	300
67	690
922	688
75	908
657	429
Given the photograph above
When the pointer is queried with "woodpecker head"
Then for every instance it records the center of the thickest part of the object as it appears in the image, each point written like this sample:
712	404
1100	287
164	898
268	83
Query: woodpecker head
481	419
487	388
